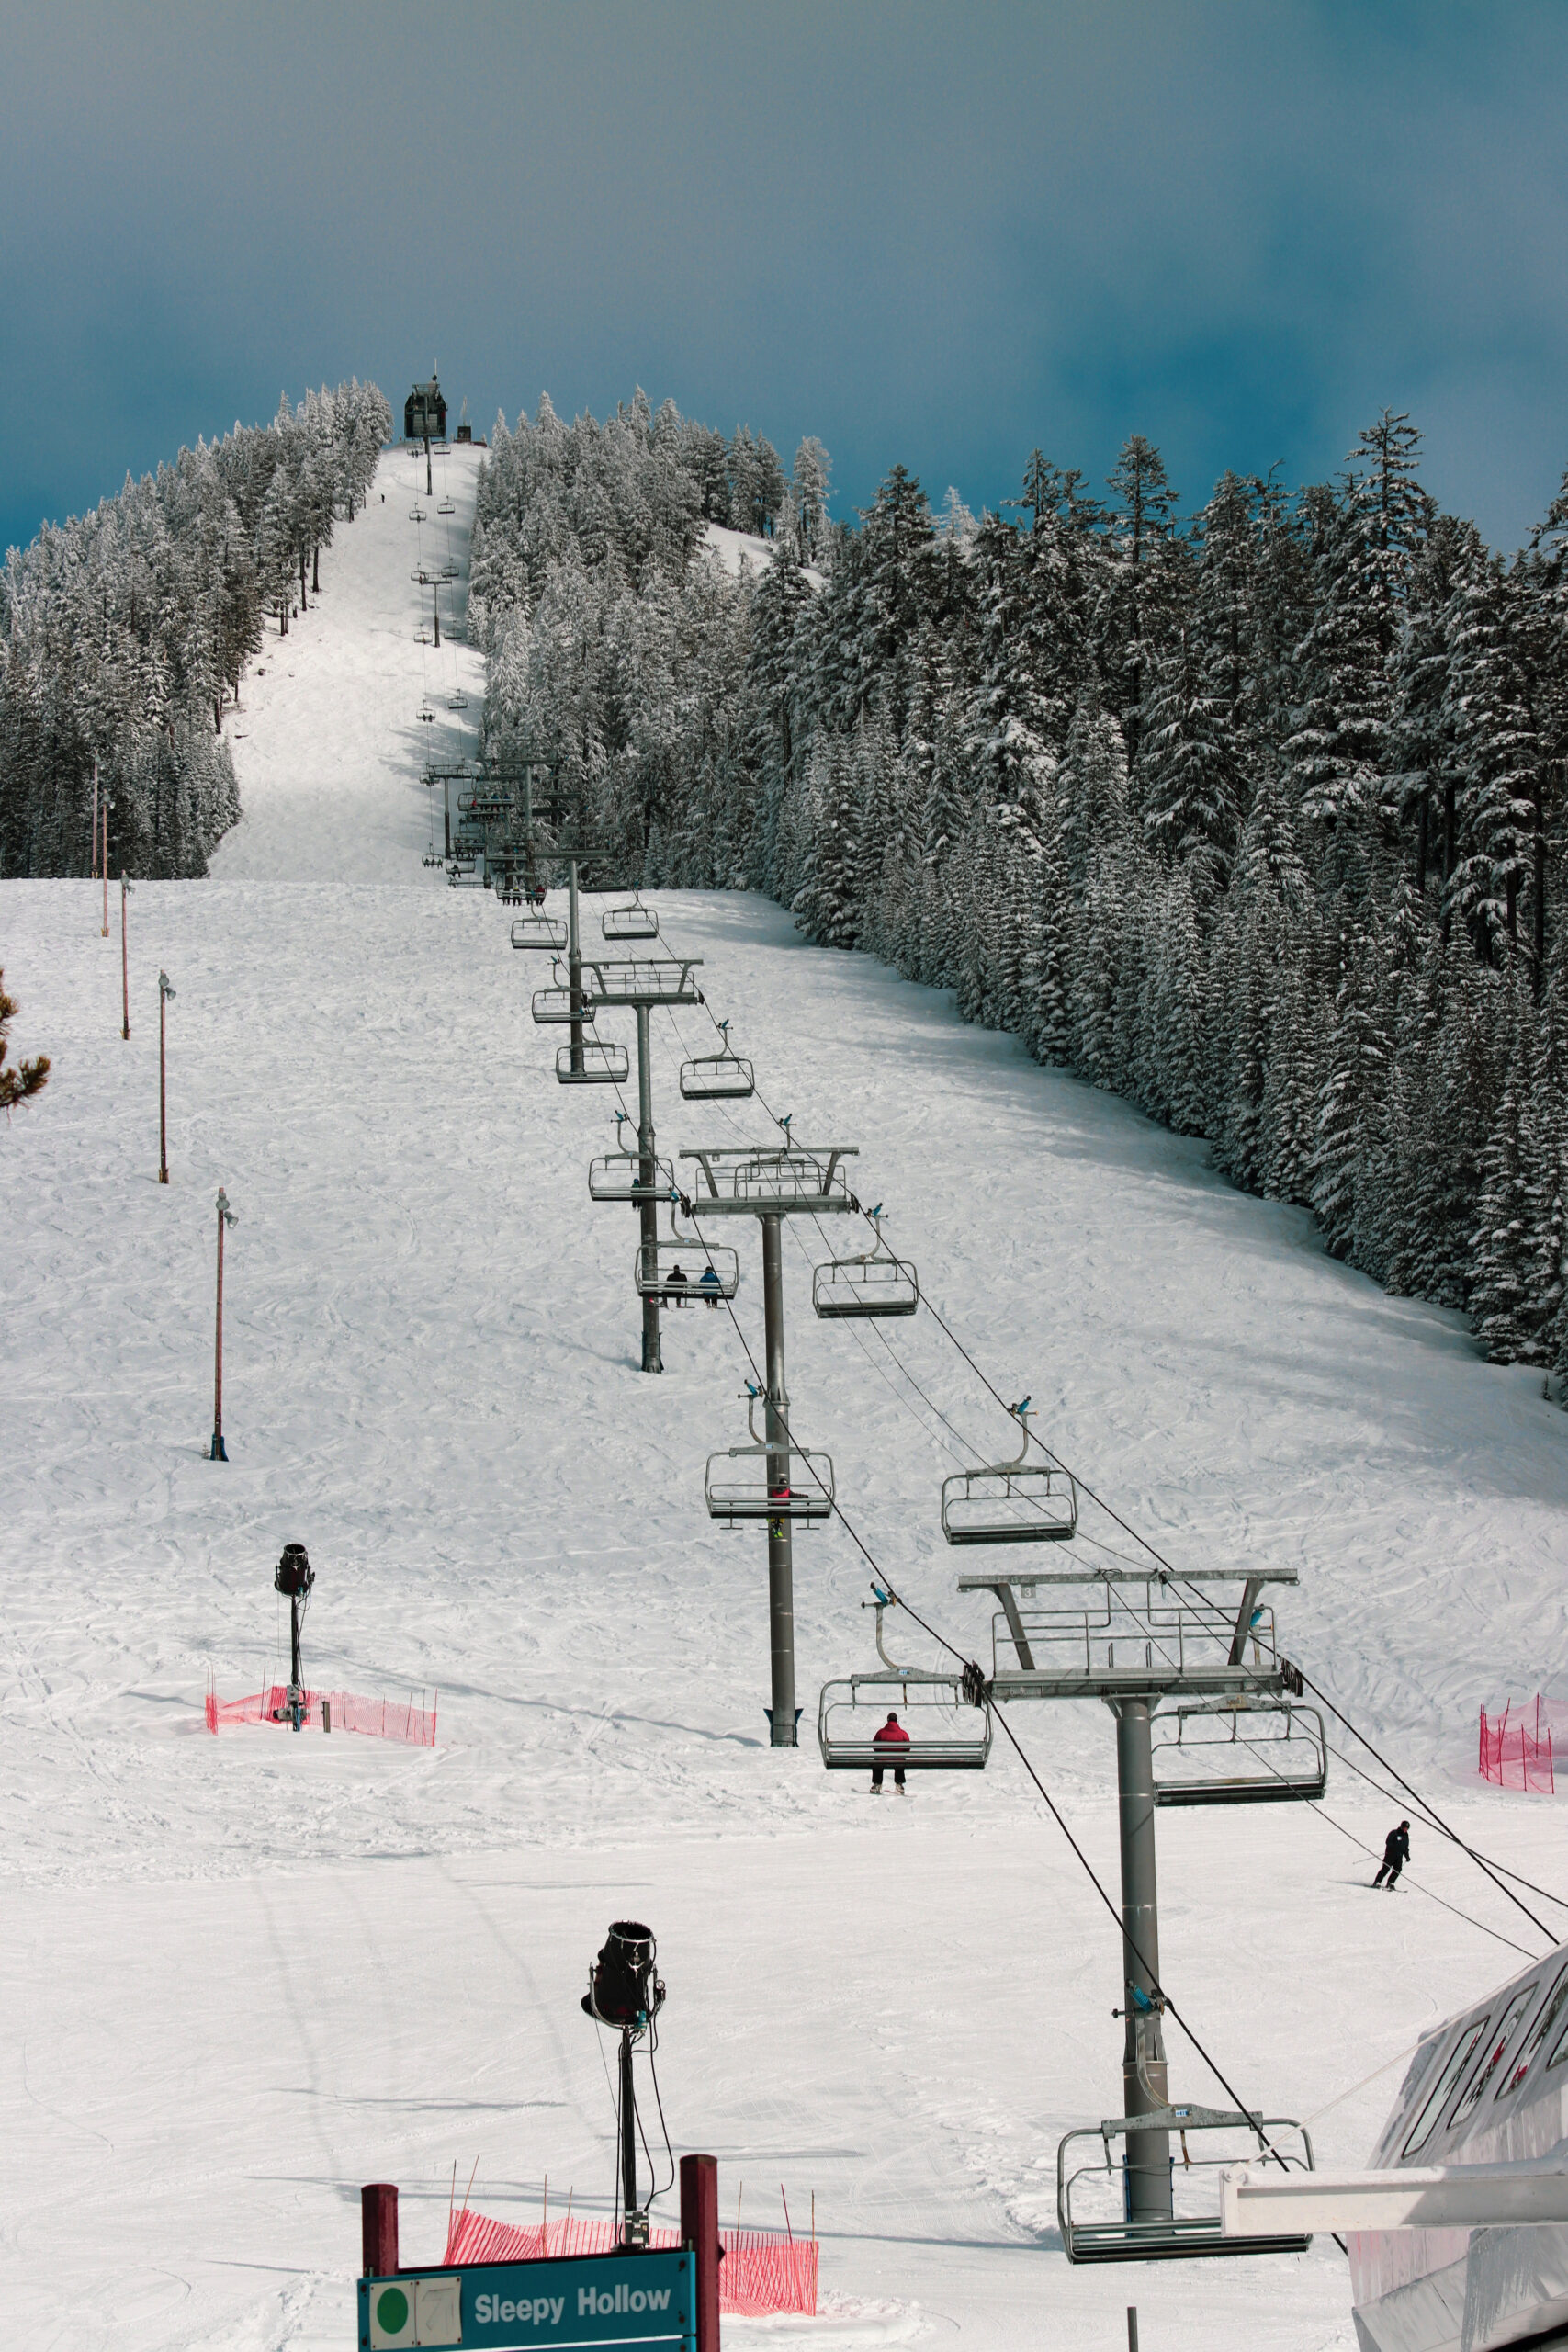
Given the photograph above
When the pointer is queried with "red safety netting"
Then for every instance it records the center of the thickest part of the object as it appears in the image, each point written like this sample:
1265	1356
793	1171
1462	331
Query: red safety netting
405	1720
762	2271
1517	1750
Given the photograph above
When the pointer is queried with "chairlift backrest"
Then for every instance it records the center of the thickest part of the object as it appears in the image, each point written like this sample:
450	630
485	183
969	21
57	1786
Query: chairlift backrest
1091	2184
539	930
873	1283
1250	1751
946	1732
633	921
742	1485
1010	1502
618	1176
717	1078
593	1063
686	1274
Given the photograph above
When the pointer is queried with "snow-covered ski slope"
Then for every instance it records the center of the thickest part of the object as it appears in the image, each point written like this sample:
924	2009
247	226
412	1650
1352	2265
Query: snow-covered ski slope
330	745
241	1975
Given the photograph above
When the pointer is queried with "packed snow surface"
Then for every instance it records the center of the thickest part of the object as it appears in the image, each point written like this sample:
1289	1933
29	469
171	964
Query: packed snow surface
243	1975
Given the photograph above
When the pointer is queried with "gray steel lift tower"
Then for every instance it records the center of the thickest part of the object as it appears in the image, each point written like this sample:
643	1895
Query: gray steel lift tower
797	1179
1137	1639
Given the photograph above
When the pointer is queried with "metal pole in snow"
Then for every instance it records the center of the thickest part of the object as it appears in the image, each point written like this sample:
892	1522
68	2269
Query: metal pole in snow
164	992
124	956
220	1453
104	865
781	1549
95	820
652	1353
1143	2063
574	964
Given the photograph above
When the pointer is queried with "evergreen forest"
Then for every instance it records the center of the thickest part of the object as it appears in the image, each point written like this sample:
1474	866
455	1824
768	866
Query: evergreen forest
1252	815
124	635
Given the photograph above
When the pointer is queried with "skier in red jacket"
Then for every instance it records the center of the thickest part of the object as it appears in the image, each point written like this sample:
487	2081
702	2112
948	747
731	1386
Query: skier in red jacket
892	1737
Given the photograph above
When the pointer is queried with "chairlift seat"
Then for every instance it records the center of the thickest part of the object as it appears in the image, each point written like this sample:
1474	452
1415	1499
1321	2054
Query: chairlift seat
717	1078
445	506
558	1006
684	1273
539	930
737	1487
634	921
456	702
946	1735
602	1064
618	1176
851	1289
1248	1752
1107	2234
1012	1503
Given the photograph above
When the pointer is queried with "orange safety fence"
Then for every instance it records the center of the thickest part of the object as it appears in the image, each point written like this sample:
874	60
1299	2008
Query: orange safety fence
1517	1750
404	1720
761	2270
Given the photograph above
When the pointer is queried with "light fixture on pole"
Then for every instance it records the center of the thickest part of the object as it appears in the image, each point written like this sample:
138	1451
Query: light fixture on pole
165	991
226	1216
295	1576
625	1993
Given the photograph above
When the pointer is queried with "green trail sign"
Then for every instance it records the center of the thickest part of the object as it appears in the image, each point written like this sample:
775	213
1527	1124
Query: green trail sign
647	2299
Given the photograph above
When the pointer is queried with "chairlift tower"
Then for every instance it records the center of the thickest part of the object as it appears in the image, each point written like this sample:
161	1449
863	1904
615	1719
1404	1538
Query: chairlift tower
435	579
639	984
795	1180
1135	1639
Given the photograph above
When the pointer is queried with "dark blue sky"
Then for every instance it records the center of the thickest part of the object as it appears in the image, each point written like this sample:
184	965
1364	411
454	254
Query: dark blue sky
938	236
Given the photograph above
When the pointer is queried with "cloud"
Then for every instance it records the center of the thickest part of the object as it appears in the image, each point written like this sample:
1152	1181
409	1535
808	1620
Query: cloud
931	235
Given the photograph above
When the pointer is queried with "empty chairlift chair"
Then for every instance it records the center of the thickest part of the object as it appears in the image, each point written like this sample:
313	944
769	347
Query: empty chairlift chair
1239	1751
719	1078
877	1282
599	1063
633	921
540	931
1092	2182
684	1273
945	1714
1010	1502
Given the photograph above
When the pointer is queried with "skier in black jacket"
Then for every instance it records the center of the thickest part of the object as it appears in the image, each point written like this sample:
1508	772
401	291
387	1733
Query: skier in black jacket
1396	1854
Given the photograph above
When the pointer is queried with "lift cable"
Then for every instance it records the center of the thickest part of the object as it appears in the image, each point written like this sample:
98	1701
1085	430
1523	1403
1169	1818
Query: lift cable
1495	1872
885	1583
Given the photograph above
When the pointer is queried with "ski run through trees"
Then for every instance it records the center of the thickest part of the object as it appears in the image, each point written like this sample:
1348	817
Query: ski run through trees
1254	820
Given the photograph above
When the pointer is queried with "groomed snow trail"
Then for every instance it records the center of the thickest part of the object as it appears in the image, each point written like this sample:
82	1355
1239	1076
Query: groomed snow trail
329	743
241	1975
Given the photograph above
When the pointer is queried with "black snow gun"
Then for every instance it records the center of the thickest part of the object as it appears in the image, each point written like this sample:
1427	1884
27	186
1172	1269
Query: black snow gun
625	1990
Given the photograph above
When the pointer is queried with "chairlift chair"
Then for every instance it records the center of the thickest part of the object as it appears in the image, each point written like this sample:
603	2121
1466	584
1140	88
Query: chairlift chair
633	921
740	1486
558	1006
686	1274
417	512
1247	1750
599	1064
719	1078
538	930
426	715
445	506
1010	1502
618	1176
457	701
945	1714
876	1283
1092	2197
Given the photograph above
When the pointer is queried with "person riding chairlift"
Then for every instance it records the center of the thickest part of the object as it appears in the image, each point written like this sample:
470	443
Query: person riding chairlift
893	1739
709	1283
676	1277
